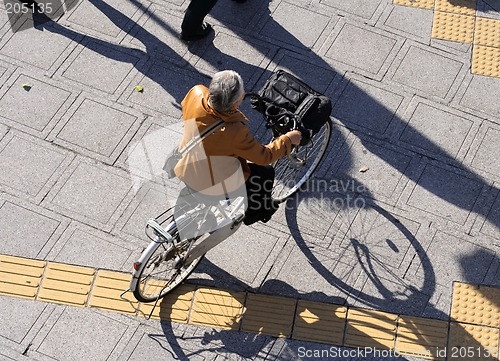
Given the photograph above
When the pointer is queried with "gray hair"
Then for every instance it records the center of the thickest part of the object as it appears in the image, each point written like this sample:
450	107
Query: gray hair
226	89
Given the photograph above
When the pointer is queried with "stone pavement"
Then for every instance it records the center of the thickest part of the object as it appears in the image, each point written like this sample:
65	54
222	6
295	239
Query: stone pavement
406	202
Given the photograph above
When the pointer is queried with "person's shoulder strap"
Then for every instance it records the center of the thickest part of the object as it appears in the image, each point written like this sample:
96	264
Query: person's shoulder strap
202	135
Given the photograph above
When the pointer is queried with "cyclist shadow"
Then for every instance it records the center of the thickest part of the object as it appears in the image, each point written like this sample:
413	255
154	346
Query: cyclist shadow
183	341
373	243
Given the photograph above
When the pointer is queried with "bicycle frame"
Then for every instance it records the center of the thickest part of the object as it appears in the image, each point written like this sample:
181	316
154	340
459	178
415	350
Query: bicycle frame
230	224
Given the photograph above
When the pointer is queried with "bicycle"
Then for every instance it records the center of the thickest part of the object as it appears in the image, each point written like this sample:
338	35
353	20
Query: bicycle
175	250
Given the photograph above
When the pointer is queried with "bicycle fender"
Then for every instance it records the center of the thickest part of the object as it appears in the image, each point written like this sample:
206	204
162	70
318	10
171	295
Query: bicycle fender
144	256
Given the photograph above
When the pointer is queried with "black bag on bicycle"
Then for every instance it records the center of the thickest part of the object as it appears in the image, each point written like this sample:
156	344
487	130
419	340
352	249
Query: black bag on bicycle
283	95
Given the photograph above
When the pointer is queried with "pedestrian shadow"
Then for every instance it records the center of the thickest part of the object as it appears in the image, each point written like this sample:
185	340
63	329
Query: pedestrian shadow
487	6
154	58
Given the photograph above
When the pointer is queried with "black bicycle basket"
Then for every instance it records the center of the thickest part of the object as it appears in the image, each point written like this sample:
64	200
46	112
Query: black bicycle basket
288	103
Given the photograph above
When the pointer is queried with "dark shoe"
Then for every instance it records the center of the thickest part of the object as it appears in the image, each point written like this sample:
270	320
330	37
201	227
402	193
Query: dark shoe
202	32
251	219
263	216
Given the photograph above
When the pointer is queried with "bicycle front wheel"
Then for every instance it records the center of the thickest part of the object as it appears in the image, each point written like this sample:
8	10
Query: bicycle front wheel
164	269
295	169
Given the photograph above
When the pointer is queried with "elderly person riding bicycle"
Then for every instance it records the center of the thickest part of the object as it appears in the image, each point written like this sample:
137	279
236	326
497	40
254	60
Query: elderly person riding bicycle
230	158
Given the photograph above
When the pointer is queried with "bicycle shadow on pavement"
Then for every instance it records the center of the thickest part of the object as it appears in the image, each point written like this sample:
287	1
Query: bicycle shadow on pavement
372	241
232	341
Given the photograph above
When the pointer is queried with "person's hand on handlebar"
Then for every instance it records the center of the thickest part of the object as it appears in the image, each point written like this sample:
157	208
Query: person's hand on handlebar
295	136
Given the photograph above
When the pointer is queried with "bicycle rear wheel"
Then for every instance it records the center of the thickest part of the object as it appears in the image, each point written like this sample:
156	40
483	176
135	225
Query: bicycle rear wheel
163	269
295	169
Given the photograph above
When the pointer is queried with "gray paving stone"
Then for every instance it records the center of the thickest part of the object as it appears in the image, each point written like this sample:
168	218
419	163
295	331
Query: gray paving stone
34	109
86	246
395	294
26	232
490	225
487	157
7	19
30	166
355	7
100	67
411	21
367	50
481	94
148	203
493	276
158	33
438	130
455	259
145	155
367	106
159	346
309	273
313	211
83	334
246	255
6	70
318	75
3	131
164	89
232	52
38	49
383	241
488	9
428	71
18	317
440	303
282	25
462	50
92	192
381	179
445	193
236	15
100	129
89	17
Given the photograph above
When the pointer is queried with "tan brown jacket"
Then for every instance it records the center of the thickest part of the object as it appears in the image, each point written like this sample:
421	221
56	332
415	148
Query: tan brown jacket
220	163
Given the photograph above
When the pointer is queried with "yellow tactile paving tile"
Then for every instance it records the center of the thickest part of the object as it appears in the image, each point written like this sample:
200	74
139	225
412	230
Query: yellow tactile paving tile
107	289
268	315
370	328
475	337
216	308
479	305
20	277
487	32
473	342
465	7
175	306
486	61
422	337
422	4
321	322
453	27
66	284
